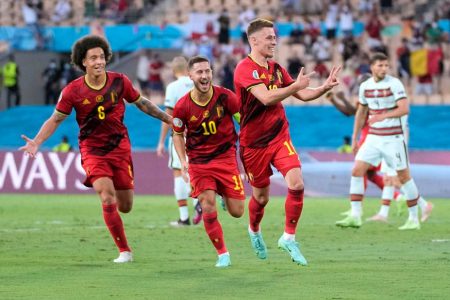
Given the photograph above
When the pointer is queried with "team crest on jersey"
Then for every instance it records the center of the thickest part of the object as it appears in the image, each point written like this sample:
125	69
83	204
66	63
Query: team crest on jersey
193	119
86	101
99	98
255	74
206	114
219	109
177	122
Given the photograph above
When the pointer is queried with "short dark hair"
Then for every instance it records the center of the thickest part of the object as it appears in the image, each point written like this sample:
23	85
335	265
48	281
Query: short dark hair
377	56
83	45
257	25
197	59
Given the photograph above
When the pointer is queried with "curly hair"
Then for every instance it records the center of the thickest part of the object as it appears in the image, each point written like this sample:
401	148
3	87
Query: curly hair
83	45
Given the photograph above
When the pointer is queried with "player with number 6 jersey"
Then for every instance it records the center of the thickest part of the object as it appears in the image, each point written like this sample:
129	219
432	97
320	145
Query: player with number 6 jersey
205	116
98	100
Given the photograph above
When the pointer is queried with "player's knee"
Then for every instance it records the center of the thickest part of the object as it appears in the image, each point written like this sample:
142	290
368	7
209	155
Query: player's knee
125	207
261	199
107	197
297	185
237	211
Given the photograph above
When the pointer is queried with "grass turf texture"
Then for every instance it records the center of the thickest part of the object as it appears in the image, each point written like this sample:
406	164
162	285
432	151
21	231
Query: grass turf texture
57	247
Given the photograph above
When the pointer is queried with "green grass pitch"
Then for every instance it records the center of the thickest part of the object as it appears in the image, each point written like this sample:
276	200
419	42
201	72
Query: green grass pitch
57	247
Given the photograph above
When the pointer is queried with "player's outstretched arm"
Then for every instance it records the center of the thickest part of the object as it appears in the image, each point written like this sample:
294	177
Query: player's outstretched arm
310	94
180	147
271	97
153	110
163	134
47	129
341	103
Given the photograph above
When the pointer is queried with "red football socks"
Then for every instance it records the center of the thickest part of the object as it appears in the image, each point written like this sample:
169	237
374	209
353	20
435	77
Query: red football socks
115	226
256	213
293	208
214	231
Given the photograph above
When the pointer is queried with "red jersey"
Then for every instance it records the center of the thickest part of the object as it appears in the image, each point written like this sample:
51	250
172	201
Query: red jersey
260	124
210	127
99	113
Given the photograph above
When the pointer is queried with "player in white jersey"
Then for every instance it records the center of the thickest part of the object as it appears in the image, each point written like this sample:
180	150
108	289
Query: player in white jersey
383	97
392	181
174	91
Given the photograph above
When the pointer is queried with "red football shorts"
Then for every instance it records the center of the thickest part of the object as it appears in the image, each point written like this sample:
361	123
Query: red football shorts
118	168
257	161
221	175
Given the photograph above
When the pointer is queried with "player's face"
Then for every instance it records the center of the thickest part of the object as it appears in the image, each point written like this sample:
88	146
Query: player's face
264	41
95	62
379	69
201	75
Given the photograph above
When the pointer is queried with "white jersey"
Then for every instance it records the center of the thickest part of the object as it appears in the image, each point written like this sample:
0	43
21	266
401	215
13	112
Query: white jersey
381	97
177	89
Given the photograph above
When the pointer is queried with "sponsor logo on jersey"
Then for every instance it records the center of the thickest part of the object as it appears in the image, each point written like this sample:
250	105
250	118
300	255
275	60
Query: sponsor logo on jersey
177	122
86	101
255	74
99	98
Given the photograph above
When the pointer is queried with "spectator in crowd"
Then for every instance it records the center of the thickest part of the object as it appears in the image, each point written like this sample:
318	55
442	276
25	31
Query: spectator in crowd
321	69
30	13
365	6
10	74
227	73
247	14
433	34
348	47
331	19
190	48
296	34
424	86
346	20
64	146
62	11
321	49
142	71
155	70
294	64
403	56
68	73
51	76
373	29
224	27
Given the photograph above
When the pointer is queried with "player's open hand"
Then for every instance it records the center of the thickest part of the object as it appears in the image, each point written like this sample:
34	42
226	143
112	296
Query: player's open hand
31	147
303	80
184	171
375	118
332	79
160	150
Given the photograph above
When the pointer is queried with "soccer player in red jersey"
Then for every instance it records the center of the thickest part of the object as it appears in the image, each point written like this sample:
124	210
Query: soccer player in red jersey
261	84
206	115
98	100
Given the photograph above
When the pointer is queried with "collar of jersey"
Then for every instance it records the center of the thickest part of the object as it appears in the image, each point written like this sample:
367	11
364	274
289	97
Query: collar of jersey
199	103
93	88
251	58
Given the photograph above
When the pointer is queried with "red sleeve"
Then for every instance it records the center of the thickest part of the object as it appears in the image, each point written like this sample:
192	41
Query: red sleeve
247	77
287	79
179	121
232	102
65	103
130	93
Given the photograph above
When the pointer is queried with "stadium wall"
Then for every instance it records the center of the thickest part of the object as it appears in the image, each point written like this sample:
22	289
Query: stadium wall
325	174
